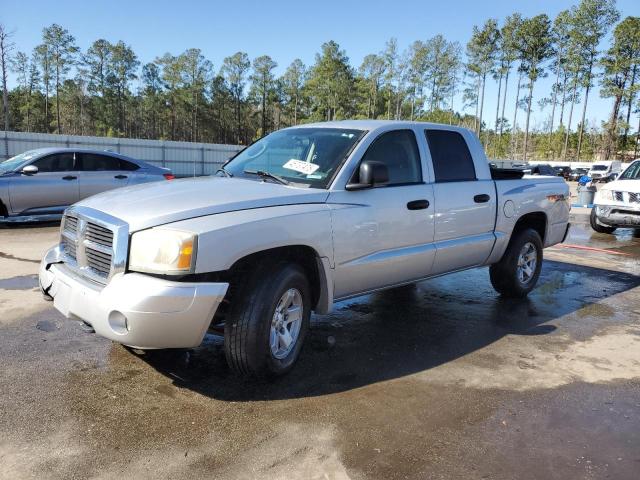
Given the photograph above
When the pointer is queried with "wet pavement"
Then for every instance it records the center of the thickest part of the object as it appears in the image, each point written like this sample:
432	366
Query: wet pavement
441	380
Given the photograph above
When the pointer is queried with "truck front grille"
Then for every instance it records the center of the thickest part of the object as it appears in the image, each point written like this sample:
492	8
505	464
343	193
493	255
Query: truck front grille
629	197
90	246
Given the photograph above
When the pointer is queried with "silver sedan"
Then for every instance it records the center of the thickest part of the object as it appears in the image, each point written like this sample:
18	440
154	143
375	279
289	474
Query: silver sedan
40	184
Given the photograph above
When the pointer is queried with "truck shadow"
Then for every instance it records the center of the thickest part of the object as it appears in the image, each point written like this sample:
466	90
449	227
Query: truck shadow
400	332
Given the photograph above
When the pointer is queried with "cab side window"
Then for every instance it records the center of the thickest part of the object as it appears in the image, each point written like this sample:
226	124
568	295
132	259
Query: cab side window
452	161
58	162
398	150
93	162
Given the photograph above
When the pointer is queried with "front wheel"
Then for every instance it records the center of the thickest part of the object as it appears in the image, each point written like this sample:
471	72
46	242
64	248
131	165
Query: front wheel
593	220
517	272
268	321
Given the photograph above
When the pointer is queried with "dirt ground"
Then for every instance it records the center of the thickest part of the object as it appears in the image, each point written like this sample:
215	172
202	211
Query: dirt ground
442	380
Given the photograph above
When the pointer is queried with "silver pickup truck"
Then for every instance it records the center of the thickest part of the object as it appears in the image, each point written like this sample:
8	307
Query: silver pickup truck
304	217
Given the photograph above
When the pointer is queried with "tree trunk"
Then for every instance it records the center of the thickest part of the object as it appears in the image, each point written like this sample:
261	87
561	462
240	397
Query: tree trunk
515	117
58	99
475	117
5	92
610	146
629	106
584	107
635	149
554	100
584	113
484	79
573	102
504	100
526	128
564	91
498	103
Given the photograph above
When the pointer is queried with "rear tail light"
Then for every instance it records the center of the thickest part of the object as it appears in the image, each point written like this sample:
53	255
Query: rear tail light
169	176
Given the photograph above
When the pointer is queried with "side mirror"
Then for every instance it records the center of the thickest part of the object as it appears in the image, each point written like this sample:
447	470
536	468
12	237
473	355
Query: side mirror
30	170
371	173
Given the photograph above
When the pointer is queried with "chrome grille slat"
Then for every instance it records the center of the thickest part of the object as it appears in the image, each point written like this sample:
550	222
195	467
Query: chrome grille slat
93	243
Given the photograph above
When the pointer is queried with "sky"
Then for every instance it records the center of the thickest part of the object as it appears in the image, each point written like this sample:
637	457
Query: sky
283	29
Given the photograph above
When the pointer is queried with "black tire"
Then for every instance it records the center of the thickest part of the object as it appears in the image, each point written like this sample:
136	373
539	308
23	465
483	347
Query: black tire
593	220
504	274
248	326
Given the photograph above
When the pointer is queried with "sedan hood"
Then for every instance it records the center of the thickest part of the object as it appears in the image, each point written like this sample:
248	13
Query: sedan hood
158	203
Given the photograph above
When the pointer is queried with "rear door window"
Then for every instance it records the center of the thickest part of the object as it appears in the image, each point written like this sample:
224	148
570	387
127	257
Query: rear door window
452	161
92	162
128	166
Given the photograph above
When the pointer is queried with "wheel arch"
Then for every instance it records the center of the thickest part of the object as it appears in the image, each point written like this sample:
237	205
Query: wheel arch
316	268
535	220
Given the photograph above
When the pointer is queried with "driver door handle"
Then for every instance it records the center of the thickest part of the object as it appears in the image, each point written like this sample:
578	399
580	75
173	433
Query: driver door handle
69	177
120	177
418	204
482	198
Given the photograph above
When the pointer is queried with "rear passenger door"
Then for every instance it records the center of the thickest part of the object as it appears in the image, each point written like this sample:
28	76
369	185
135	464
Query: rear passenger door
465	205
99	172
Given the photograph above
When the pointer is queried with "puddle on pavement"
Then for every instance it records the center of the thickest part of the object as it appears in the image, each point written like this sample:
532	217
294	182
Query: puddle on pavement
47	326
24	282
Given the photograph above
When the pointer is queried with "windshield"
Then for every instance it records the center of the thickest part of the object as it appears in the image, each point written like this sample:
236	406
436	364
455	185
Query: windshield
14	162
303	156
631	173
598	168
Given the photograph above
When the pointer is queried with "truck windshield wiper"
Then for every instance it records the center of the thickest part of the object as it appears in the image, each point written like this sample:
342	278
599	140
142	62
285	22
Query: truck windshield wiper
226	174
262	174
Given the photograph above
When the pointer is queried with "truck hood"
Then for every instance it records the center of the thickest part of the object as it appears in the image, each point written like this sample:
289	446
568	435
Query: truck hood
159	203
623	186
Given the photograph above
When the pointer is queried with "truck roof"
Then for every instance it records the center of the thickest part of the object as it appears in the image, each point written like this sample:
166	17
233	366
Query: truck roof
376	124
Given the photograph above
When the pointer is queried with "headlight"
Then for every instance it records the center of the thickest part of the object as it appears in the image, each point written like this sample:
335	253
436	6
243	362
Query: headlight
160	250
604	196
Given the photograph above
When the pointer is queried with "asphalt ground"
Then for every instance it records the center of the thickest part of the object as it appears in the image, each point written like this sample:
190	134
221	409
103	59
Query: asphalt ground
442	380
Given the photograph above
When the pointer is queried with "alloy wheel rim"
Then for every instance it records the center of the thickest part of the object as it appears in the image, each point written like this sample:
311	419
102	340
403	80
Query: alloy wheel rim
286	323
527	262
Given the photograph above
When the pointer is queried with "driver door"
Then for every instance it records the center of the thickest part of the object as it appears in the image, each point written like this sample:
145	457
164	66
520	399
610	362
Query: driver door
49	191
384	235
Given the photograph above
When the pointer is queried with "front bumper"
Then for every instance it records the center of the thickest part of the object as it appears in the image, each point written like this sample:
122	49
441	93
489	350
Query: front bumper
134	309
618	215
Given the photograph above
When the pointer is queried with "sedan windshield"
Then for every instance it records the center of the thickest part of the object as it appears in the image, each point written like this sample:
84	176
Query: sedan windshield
15	162
302	156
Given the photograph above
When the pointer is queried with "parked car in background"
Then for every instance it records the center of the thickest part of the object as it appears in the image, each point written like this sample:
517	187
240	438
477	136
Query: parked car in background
602	171
542	169
563	172
617	204
305	216
577	173
40	184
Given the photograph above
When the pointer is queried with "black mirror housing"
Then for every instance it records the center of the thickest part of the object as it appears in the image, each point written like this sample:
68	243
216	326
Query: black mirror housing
371	173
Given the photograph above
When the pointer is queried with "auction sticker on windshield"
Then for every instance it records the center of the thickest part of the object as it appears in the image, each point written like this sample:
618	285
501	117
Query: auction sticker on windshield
300	166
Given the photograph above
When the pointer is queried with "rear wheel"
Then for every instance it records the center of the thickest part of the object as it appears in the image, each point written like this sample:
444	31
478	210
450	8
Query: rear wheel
268	321
593	220
517	272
